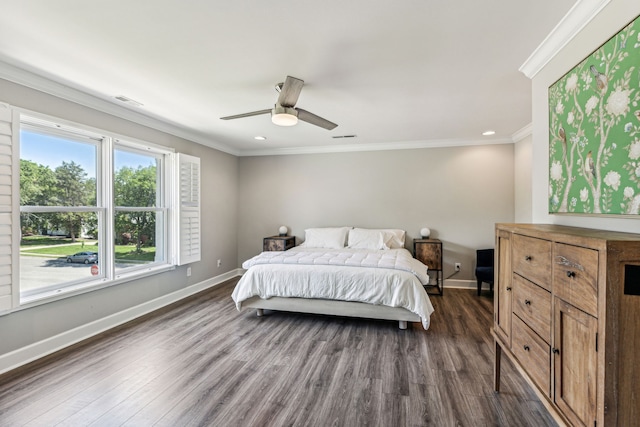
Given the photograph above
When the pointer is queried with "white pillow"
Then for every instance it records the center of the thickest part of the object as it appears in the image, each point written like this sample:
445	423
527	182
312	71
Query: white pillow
393	238
361	238
328	237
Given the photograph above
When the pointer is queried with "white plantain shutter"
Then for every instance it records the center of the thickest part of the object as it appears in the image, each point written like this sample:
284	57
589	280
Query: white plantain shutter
188	209
6	223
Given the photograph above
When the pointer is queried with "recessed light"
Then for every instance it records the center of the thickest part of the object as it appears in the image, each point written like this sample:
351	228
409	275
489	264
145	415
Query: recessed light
260	138
489	132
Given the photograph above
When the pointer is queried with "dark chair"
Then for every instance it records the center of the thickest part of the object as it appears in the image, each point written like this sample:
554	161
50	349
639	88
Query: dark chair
484	268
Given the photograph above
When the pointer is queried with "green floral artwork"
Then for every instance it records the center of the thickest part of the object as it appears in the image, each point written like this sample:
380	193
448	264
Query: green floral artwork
594	131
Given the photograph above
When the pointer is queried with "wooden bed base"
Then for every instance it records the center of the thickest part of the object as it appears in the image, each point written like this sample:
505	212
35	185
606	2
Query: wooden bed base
333	308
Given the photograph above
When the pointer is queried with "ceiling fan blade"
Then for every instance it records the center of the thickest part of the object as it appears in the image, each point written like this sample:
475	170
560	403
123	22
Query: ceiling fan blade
290	92
308	117
253	113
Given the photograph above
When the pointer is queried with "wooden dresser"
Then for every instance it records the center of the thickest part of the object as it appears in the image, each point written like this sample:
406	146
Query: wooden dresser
567	314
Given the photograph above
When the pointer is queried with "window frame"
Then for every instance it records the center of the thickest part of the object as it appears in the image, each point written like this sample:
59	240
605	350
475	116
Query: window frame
107	143
162	200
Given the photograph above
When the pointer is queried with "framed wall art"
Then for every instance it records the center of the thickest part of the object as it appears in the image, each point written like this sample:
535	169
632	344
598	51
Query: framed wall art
594	131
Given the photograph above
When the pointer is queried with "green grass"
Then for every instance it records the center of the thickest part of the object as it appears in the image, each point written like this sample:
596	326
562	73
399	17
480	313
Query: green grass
62	248
129	253
44	241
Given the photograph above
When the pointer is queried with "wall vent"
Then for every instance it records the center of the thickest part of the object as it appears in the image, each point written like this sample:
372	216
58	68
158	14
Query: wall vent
129	101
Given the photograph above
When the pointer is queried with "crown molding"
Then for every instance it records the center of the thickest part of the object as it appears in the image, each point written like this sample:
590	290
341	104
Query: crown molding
387	146
522	133
582	12
29	79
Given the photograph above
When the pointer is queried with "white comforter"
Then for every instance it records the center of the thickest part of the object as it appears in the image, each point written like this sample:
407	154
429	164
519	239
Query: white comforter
391	277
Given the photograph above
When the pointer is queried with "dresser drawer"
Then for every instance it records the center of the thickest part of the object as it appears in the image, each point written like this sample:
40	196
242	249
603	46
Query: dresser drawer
575	276
533	354
532	259
532	304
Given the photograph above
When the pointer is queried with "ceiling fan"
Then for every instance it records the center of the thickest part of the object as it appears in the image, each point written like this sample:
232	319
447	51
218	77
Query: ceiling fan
284	112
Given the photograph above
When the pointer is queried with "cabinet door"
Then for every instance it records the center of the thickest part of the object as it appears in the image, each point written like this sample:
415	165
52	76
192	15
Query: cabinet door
502	296
575	363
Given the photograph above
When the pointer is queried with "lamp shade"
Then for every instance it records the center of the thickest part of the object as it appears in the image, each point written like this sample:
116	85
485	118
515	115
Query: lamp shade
425	232
283	230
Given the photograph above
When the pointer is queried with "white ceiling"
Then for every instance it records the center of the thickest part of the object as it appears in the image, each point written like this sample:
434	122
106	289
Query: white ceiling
388	71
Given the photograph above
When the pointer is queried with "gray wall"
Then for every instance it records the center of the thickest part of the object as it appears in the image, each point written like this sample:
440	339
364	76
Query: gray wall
458	192
219	225
522	178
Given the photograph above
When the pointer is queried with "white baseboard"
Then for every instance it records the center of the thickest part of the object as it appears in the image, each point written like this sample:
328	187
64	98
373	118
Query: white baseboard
461	284
37	350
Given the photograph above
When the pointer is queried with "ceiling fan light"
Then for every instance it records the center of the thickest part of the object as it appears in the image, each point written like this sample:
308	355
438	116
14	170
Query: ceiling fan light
284	119
283	116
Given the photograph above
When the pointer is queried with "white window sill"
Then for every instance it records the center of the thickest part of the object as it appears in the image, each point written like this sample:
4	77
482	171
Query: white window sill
69	291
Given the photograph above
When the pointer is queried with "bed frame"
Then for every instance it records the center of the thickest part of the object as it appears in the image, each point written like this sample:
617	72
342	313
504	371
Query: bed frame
333	308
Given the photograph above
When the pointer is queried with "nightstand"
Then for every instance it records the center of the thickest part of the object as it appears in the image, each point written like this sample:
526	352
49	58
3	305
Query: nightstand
429	252
278	243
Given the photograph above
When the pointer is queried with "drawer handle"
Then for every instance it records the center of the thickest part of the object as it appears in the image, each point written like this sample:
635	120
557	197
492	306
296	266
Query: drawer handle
560	260
527	258
508	288
526	348
556	351
571	273
527	302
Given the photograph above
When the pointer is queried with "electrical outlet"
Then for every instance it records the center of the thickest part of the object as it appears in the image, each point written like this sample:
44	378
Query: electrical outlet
219	263
188	271
457	265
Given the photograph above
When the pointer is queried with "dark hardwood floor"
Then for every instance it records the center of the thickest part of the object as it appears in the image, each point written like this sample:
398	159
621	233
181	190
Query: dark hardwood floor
202	363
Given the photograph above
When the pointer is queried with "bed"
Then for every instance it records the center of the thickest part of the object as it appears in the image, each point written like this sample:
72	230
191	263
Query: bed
340	271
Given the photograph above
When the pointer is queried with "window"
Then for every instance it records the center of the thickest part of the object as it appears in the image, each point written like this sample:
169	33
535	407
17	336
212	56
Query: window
140	215
94	209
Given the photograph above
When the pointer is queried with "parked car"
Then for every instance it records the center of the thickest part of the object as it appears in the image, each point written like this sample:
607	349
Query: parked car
85	257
